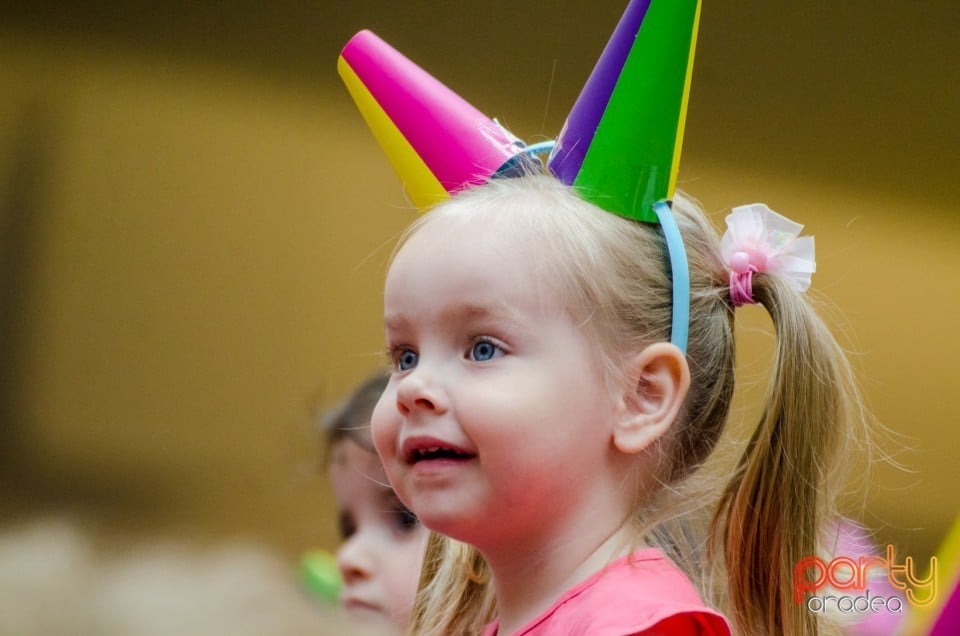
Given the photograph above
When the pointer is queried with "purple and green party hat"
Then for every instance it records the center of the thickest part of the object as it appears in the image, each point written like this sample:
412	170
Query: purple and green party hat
620	145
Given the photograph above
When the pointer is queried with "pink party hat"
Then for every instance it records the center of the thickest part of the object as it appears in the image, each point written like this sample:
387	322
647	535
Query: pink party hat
620	145
436	141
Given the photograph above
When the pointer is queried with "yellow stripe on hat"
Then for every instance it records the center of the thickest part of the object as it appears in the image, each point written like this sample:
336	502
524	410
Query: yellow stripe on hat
674	169
423	188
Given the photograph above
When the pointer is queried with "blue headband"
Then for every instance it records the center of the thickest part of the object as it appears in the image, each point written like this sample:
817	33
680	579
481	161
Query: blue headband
679	272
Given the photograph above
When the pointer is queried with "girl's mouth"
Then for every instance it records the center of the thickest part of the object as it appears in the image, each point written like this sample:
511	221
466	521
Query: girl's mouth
436	452
418	450
360	606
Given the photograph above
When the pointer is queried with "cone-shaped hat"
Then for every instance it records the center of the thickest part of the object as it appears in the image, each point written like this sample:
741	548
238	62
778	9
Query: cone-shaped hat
620	145
436	141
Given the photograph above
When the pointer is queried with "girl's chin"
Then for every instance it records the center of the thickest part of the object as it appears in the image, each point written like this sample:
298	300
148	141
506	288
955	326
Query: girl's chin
455	528
369	615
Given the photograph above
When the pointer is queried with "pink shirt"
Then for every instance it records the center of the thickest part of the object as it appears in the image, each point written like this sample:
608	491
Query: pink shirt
642	593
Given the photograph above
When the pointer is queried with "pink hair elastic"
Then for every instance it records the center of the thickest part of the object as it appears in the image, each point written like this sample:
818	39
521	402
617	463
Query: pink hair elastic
741	285
760	240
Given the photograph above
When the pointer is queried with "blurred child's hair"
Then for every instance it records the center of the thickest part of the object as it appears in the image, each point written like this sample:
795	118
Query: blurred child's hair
350	419
736	535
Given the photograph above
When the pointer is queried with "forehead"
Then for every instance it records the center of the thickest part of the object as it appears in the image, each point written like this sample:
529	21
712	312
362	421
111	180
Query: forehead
478	259
352	467
483	226
347	452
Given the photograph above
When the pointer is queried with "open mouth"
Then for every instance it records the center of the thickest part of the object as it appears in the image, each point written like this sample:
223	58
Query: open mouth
436	452
428	449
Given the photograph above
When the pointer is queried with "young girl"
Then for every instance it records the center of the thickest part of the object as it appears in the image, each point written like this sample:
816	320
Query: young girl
563	352
538	413
383	542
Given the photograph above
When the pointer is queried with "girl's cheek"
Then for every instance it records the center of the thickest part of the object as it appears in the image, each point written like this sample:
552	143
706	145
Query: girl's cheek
383	428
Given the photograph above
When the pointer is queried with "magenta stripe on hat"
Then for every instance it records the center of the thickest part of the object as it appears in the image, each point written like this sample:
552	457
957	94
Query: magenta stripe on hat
457	142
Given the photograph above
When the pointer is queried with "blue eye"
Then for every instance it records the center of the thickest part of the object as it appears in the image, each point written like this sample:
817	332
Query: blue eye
407	359
484	350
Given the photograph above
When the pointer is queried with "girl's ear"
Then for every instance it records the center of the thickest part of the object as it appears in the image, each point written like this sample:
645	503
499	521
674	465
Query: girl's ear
657	382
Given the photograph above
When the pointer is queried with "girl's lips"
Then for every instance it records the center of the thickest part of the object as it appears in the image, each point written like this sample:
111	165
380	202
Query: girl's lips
418	449
358	605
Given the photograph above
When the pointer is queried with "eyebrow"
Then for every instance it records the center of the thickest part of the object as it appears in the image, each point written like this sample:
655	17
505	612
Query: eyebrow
389	496
466	311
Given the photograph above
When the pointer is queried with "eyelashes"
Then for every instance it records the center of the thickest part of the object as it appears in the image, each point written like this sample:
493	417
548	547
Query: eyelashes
397	517
405	518
480	349
403	357
485	349
346	524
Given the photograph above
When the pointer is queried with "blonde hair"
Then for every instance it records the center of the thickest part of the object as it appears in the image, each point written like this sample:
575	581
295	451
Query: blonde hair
739	545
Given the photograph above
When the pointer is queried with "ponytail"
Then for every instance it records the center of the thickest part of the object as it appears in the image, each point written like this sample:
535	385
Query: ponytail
785	483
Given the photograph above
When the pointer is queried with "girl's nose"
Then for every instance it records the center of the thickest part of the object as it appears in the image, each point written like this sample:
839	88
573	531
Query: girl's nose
419	392
355	560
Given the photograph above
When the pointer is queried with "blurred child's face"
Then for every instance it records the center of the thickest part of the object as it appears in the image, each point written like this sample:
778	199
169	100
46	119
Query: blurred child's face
493	427
383	543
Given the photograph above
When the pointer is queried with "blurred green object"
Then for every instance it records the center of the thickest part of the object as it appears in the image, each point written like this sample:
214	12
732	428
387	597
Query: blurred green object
320	574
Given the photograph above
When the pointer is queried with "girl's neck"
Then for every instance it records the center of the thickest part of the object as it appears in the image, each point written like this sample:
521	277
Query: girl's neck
527	581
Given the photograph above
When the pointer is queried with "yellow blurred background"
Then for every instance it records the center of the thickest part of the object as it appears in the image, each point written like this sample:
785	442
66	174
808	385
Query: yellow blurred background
195	222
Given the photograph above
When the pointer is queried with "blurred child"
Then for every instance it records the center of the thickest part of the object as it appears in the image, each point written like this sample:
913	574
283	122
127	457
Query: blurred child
383	542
